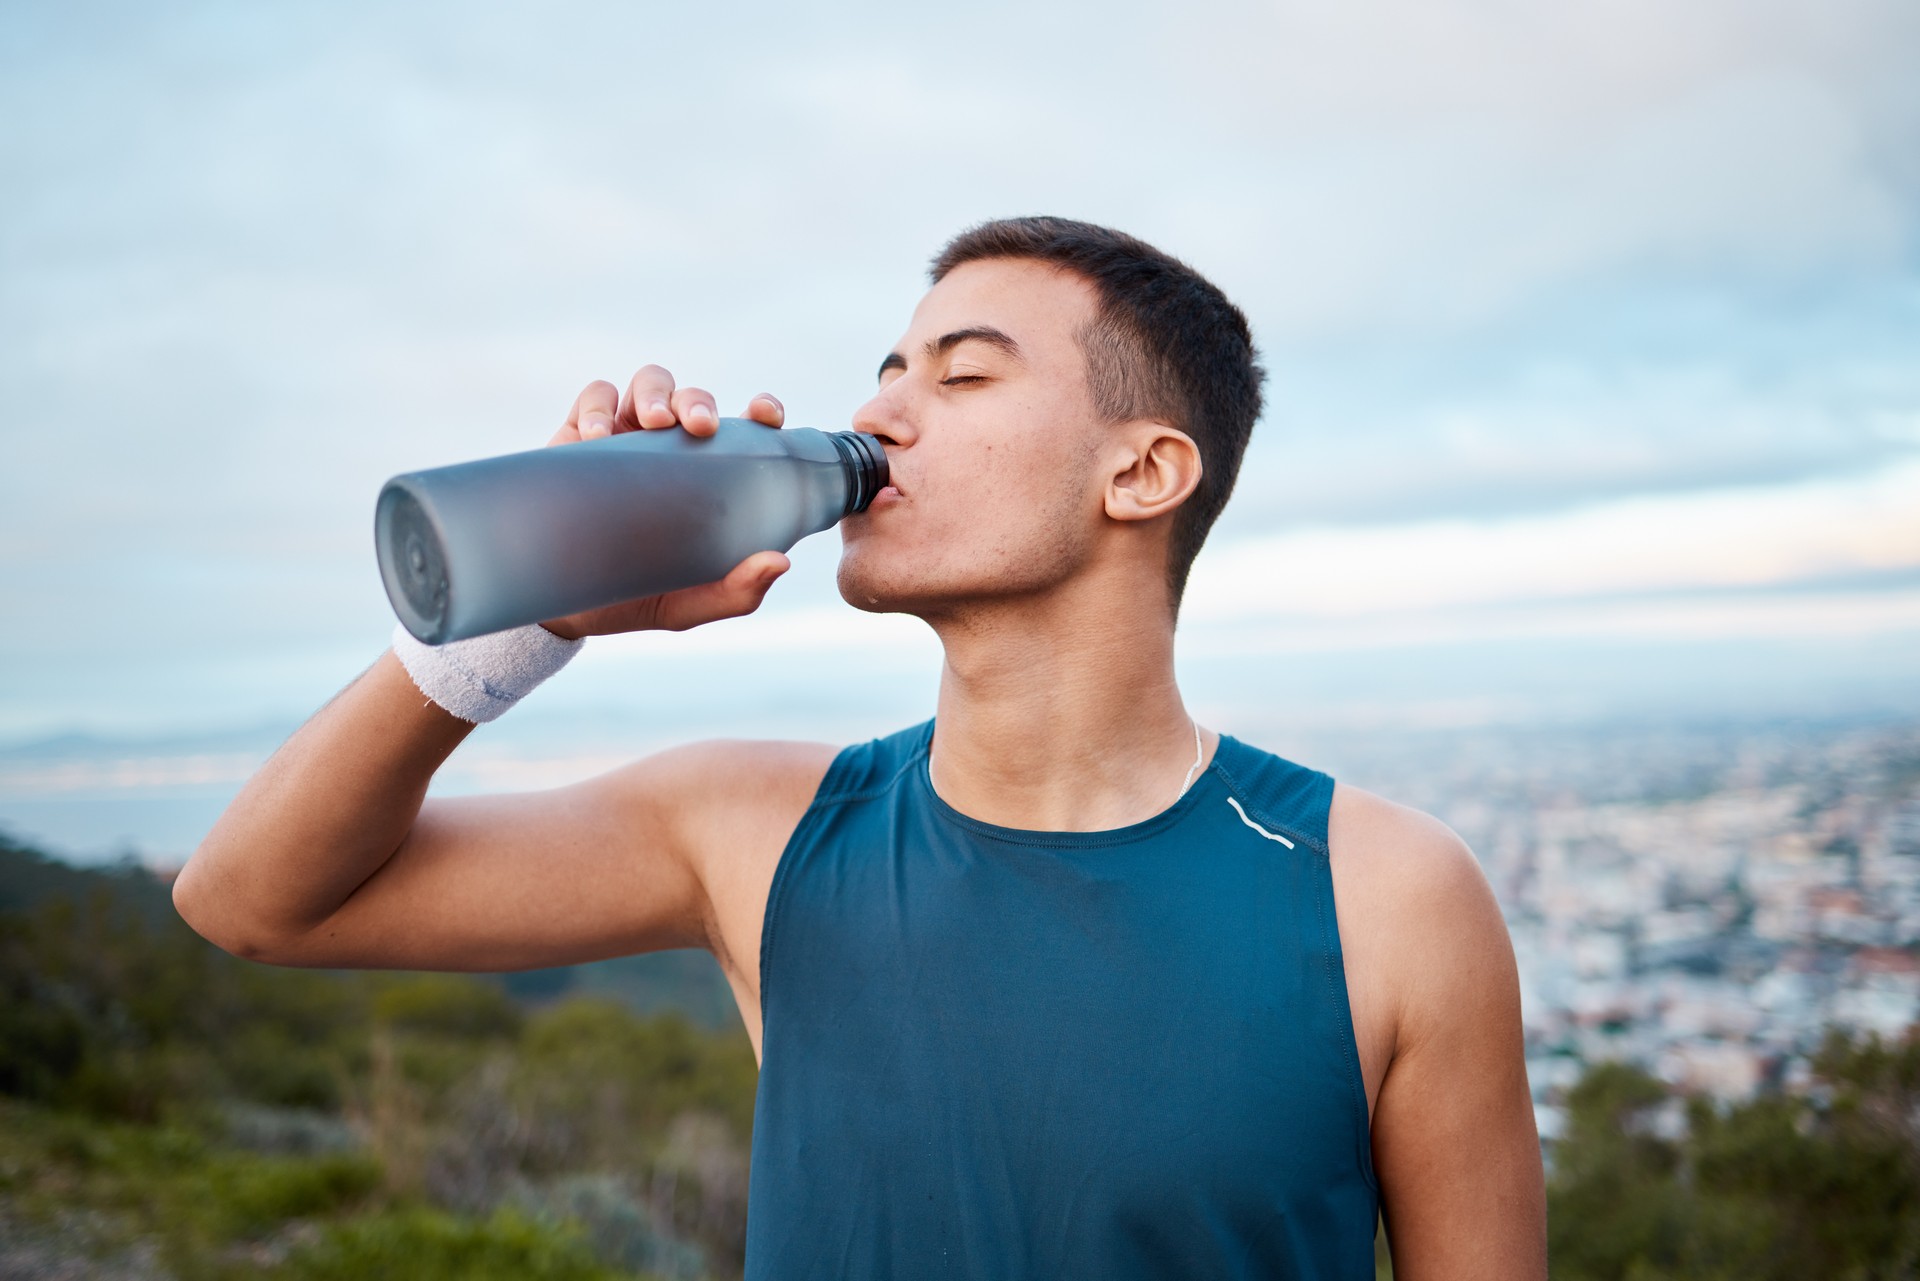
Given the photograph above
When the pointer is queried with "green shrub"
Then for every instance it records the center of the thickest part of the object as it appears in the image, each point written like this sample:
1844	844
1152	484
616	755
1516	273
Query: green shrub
589	1057
264	1066
253	1194
159	1095
423	1245
450	1005
1787	1187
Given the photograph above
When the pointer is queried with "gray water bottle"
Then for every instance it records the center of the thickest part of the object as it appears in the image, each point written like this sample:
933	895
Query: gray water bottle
522	538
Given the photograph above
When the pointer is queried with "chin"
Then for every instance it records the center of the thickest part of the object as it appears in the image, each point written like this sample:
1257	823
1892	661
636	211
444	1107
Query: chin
918	595
883	585
864	589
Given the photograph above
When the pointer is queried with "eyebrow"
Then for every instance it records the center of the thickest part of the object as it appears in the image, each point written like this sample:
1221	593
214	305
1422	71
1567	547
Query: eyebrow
945	343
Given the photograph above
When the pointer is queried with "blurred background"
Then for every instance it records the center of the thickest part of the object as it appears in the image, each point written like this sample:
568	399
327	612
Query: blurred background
1585	514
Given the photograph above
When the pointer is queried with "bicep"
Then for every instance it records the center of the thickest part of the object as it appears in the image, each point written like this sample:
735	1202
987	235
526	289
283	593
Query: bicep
1454	1141
515	882
527	880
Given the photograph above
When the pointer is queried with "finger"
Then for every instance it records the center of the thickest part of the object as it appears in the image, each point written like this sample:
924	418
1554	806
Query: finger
645	403
592	414
696	411
766	408
740	592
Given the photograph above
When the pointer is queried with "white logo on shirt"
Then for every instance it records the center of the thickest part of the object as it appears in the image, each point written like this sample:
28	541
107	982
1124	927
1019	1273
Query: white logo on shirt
1255	826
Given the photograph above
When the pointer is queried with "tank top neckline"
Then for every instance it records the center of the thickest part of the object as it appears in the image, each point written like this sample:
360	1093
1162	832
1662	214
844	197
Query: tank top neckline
920	767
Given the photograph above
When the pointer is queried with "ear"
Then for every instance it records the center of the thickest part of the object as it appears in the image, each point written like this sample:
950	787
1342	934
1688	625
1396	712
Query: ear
1154	468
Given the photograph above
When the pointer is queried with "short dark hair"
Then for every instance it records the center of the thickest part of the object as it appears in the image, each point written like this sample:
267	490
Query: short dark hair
1164	343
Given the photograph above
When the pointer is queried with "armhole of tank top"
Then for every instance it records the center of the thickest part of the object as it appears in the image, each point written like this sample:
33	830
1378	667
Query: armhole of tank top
833	790
1343	1005
1326	910
1329	913
829	788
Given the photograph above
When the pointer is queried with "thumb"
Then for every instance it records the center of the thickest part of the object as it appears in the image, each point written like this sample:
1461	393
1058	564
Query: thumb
750	580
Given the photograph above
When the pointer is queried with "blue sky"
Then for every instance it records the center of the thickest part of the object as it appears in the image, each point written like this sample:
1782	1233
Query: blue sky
1593	335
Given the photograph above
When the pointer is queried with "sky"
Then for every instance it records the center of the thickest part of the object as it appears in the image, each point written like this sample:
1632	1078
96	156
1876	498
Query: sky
1593	336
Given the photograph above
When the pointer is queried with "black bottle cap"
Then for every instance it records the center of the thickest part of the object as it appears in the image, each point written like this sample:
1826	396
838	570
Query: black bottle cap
866	464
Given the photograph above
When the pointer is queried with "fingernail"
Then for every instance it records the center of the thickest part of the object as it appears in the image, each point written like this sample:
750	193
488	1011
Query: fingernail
656	406
597	427
700	412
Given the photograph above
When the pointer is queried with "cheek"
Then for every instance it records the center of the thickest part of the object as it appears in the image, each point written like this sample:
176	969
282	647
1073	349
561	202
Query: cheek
1001	491
1017	514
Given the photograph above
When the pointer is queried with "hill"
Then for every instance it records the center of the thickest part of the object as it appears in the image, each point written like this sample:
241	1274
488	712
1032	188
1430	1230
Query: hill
167	1110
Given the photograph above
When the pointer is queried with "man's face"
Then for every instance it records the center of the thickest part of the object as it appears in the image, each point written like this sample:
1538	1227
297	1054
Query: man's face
991	439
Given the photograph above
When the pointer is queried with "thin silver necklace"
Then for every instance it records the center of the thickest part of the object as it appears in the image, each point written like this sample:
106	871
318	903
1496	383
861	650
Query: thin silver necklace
1185	783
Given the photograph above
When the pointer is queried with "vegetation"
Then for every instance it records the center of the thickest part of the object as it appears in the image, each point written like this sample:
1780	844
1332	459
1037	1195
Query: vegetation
167	1110
1822	1185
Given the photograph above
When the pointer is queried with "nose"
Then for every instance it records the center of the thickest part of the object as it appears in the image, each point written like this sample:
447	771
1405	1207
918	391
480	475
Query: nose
886	417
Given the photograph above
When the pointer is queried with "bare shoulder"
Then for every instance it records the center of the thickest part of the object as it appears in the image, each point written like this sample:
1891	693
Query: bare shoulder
729	807
719	765
718	795
1404	858
1418	919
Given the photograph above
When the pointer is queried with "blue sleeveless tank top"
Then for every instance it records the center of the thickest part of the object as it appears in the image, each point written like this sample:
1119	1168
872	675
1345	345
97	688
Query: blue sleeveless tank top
1005	1054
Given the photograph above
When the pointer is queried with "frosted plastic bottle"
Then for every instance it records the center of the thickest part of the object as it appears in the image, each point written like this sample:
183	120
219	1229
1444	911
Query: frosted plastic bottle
483	546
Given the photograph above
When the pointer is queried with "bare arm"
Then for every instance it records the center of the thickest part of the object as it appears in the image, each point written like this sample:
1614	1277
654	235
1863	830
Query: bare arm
332	855
1454	1145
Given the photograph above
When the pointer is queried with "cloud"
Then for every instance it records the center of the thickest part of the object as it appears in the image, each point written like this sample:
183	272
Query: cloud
1758	537
1503	262
1602	393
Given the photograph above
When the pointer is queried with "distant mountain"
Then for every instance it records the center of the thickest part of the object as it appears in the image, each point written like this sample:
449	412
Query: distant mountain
74	744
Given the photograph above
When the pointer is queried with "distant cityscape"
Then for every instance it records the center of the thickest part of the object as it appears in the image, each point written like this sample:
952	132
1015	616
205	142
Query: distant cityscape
1703	902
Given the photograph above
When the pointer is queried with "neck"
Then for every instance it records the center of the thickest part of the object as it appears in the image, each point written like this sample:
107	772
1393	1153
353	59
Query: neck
1061	713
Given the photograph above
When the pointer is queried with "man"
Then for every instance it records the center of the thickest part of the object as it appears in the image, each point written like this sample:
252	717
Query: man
1057	984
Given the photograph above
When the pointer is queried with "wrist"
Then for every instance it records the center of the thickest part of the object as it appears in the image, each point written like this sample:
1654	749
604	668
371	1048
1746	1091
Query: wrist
480	678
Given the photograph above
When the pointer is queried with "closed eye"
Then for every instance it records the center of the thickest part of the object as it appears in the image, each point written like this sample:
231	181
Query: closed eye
957	379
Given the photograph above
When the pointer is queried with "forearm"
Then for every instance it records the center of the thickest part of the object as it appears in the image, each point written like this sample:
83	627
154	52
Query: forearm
333	820
324	813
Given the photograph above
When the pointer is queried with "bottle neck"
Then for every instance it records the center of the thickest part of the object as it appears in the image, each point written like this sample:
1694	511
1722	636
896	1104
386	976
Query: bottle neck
866	466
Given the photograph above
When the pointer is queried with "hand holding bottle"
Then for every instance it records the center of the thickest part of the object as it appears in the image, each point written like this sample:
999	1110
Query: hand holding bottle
651	402
655	513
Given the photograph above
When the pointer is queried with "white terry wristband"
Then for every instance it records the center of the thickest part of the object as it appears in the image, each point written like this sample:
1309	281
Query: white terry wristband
479	678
